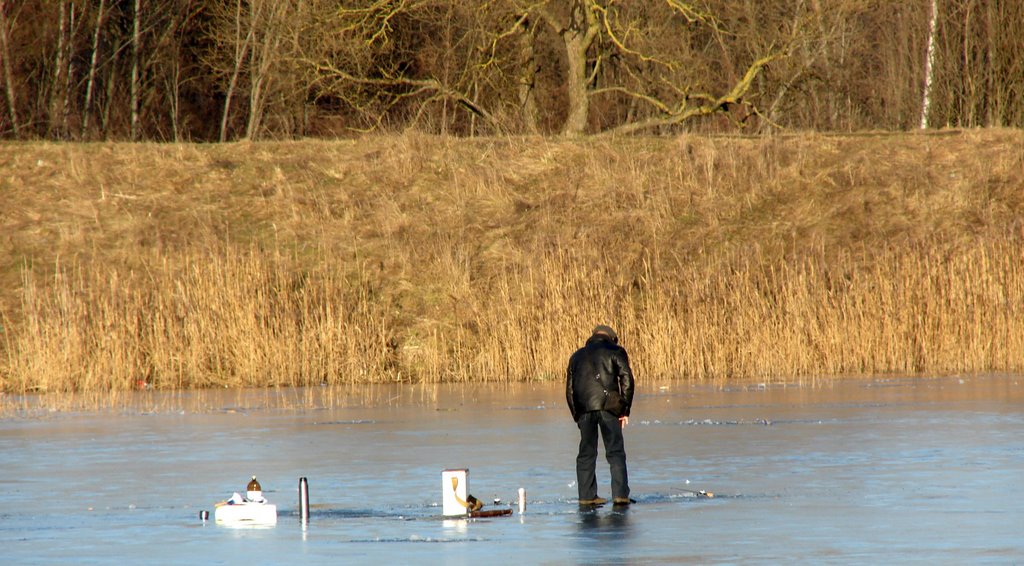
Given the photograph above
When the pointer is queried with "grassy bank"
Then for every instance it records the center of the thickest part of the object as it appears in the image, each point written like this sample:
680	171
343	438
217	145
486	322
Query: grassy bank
437	259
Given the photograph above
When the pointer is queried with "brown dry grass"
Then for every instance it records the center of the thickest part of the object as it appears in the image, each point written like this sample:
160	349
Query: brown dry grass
417	258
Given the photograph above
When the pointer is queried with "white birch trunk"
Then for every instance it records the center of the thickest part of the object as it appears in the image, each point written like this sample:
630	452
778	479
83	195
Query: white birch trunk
929	65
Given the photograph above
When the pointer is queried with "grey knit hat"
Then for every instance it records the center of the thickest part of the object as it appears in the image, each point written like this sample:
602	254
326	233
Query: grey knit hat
607	331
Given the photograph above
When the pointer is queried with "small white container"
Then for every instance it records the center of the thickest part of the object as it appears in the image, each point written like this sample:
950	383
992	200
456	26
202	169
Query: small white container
454	491
246	513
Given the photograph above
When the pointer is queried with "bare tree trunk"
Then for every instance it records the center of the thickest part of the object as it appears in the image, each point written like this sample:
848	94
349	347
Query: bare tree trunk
136	37
5	53
576	88
240	53
578	35
92	69
60	93
929	65
528	79
967	71
178	73
472	117
257	99
174	95
57	71
993	86
65	112
270	19
109	105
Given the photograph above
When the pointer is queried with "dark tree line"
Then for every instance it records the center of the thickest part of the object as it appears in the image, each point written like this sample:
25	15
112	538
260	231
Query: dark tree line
208	70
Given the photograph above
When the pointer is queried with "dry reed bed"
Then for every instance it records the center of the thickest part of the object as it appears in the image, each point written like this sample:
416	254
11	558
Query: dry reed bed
431	259
253	319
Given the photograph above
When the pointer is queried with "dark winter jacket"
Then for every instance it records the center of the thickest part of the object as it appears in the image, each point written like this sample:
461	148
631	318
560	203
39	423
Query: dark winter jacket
599	367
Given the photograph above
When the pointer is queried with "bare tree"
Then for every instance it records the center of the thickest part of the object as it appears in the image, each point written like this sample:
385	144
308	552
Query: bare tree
929	65
274	23
578	28
63	70
91	82
135	81
265	45
179	69
222	69
602	49
241	52
5	54
529	67
367	56
253	60
642	53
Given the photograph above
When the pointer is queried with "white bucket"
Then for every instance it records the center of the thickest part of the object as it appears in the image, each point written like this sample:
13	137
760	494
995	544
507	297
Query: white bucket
246	514
454	491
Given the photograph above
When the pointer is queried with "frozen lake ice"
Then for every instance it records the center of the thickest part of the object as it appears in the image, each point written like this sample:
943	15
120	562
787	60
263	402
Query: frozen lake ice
841	472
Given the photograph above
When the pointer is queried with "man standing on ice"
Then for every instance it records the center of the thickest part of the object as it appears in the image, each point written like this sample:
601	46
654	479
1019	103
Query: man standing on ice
599	390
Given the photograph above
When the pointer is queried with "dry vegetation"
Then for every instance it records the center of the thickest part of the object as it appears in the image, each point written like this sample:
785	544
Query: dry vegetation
214	70
418	258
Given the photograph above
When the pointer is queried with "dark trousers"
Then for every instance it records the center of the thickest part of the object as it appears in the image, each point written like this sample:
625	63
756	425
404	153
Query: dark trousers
614	451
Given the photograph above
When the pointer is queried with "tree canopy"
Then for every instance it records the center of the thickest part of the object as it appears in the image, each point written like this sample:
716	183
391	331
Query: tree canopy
209	70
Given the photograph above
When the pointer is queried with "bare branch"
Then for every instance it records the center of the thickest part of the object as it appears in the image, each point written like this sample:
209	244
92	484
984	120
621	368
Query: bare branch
709	104
514	29
419	86
617	42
